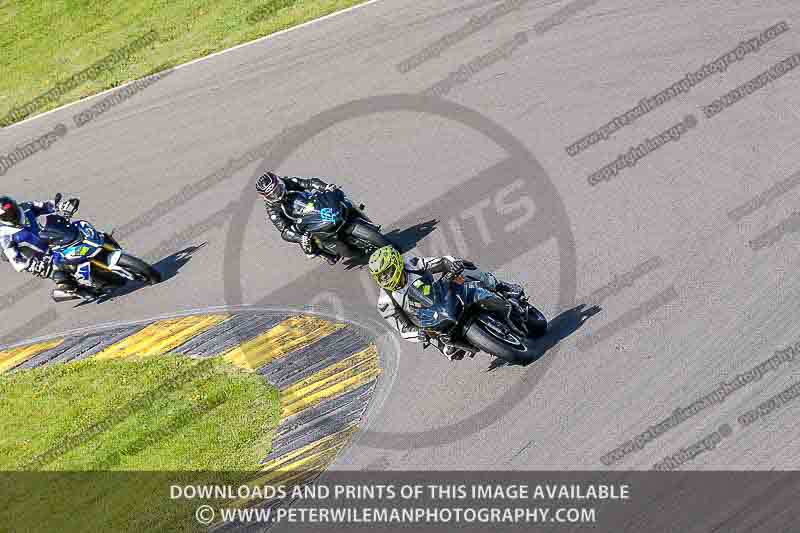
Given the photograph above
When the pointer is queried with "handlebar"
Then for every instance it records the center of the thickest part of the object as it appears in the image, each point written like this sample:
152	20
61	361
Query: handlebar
468	265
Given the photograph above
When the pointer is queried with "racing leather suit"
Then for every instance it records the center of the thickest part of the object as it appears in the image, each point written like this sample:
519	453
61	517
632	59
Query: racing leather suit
277	214
22	244
26	250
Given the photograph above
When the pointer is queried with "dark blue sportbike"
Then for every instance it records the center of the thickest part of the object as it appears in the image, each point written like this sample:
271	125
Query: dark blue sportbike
462	311
336	225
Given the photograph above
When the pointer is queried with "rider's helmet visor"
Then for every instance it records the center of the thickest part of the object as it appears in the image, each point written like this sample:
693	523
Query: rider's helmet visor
386	266
271	187
385	277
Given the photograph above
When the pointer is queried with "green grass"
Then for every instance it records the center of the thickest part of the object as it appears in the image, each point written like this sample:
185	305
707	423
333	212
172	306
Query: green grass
153	419
45	42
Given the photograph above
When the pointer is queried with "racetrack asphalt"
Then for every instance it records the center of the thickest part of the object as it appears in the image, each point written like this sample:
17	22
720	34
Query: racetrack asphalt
709	304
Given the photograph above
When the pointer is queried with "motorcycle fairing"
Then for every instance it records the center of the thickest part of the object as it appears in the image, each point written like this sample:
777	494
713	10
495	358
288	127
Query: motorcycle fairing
81	250
476	294
437	310
329	214
77	243
447	302
83	274
318	212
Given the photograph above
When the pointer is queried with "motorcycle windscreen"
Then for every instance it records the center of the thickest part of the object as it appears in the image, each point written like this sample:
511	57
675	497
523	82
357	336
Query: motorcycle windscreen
435	305
318	213
90	234
83	273
474	293
58	232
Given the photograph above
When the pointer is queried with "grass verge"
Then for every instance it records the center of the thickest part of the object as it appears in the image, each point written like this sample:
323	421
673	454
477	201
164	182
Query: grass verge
45	43
157	428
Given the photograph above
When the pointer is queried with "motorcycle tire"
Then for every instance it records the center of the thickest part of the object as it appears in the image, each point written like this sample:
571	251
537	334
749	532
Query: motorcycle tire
482	336
365	238
140	269
537	323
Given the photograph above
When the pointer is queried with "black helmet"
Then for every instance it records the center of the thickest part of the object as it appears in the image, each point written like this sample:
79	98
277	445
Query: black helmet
271	187
10	214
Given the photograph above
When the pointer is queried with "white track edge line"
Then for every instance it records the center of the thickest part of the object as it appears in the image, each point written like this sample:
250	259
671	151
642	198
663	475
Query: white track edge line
193	61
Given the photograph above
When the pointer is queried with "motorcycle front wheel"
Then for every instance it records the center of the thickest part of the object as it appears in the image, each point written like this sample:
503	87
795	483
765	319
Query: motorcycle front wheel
140	269
364	237
537	323
493	336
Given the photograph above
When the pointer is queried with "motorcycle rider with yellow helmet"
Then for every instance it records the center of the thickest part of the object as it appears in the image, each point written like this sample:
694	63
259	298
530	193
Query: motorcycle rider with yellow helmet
395	275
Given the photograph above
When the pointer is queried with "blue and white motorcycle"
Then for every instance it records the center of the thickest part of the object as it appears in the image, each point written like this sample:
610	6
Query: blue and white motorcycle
95	260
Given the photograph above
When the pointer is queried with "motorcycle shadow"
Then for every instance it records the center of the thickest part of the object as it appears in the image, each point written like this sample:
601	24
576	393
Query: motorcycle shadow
168	267
558	329
404	240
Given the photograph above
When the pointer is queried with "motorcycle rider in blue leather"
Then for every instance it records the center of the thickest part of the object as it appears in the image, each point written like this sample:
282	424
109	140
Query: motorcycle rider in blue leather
21	243
277	192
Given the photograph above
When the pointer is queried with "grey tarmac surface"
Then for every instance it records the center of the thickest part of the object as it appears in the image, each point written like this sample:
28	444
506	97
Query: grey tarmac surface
710	308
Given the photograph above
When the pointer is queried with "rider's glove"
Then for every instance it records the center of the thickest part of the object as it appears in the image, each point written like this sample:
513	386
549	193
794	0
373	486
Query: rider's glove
331	187
307	244
67	208
455	266
41	266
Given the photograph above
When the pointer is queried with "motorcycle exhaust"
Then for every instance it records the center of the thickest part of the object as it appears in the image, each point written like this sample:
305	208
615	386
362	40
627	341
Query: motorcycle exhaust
63	296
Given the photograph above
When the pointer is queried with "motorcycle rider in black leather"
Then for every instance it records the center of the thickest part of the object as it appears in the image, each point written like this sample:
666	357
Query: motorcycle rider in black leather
276	191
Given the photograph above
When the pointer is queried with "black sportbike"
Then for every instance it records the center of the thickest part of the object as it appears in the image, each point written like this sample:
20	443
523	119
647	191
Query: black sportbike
335	224
460	311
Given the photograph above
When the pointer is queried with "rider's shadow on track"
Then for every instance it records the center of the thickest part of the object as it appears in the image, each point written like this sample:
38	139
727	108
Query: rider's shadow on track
168	267
558	329
404	240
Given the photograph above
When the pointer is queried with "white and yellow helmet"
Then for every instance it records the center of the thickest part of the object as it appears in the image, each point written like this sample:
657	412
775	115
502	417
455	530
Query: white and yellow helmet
387	268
